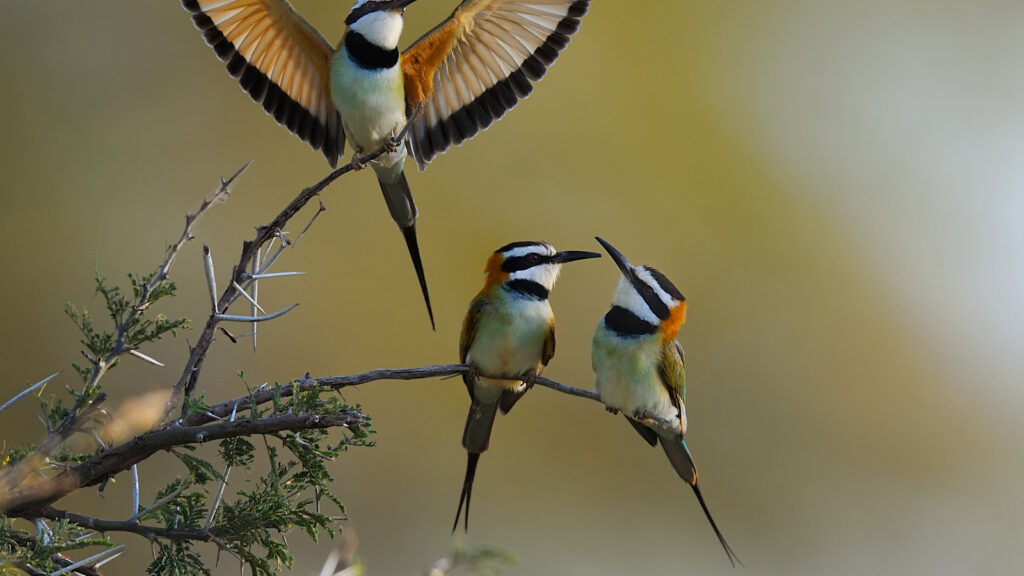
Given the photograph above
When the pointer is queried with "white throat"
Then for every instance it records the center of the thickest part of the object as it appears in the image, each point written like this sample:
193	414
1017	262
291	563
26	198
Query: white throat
627	297
544	274
380	28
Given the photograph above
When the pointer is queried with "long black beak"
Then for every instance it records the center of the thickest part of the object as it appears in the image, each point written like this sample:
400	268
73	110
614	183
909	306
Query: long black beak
572	256
620	260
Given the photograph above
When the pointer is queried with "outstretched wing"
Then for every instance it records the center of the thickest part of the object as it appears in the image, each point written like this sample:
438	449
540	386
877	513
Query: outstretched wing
281	62
478	63
672	372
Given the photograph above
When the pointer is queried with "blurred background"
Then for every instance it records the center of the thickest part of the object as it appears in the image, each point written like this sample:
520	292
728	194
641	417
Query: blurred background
836	187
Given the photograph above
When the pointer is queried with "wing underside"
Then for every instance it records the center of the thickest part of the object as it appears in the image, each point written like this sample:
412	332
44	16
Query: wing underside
478	64
280	61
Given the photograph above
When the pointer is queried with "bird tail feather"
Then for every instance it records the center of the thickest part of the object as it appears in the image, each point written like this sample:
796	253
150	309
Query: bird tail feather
403	210
679	455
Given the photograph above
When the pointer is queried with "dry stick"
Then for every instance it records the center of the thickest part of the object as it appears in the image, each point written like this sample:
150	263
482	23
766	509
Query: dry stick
186	384
27	502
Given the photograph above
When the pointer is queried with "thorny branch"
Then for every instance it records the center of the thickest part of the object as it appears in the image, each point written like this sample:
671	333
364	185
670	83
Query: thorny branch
86	401
28	501
58	559
240	273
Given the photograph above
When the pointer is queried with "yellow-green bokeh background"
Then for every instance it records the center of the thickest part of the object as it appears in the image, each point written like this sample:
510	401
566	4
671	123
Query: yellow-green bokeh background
835	186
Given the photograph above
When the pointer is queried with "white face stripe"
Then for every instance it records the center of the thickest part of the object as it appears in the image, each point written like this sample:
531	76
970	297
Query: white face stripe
648	279
380	28
542	249
627	297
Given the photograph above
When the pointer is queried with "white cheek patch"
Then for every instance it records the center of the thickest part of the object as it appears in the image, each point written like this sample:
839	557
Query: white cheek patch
380	28
627	297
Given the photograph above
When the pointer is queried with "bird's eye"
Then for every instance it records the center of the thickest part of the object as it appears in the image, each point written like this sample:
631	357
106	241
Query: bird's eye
534	257
648	290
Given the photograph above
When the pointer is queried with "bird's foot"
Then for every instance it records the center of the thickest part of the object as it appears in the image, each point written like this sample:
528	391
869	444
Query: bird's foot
610	410
530	378
357	161
393	142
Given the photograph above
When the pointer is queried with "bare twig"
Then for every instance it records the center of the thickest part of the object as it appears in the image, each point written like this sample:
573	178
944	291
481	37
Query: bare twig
307	383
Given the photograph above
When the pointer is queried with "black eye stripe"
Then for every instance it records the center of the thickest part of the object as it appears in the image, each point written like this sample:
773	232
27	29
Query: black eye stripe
517	263
656	305
666	284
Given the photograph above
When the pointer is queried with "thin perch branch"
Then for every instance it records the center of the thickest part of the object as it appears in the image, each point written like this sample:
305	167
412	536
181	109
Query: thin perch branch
307	383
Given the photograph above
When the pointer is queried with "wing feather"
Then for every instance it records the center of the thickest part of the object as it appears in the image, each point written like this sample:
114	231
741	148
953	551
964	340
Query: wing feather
672	373
476	65
280	61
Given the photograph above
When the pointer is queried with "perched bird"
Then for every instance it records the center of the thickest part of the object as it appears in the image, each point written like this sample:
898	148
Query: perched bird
640	368
465	73
508	338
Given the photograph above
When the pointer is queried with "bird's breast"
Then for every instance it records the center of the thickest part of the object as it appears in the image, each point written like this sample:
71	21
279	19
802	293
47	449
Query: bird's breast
626	374
510	342
371	102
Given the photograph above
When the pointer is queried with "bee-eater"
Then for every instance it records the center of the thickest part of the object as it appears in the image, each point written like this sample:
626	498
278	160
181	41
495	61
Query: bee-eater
640	367
508	338
466	73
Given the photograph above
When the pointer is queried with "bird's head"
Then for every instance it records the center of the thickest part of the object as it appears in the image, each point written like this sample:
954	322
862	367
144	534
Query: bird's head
530	269
379	21
648	296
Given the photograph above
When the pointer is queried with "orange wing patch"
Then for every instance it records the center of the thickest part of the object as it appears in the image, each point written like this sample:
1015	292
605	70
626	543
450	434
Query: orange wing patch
473	67
281	62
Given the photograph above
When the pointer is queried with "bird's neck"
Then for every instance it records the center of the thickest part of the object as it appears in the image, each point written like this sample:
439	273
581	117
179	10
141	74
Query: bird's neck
368	55
625	324
382	29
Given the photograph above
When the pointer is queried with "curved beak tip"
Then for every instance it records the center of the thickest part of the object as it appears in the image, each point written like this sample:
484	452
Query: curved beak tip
620	259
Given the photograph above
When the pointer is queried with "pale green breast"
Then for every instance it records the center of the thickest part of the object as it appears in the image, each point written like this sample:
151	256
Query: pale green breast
510	337
626	373
371	102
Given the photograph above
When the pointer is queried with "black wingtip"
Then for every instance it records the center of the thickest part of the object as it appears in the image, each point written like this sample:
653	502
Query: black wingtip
409	232
733	558
467	491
